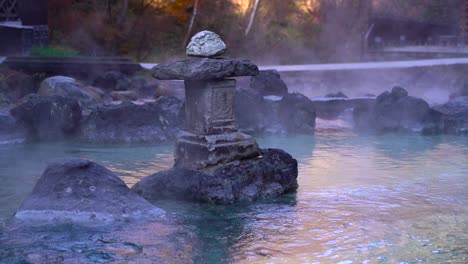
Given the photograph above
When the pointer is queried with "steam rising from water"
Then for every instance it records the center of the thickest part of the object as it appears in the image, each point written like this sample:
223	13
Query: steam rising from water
433	84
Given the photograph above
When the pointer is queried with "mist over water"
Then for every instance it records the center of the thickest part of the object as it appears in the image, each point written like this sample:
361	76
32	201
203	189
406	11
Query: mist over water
433	84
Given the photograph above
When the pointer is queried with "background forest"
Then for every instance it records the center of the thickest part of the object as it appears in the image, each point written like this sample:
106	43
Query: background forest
269	31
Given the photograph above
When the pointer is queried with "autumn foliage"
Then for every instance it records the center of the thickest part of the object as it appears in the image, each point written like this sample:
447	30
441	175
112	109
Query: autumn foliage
283	30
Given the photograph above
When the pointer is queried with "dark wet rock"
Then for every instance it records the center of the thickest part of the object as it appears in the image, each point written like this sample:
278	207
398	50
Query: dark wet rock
131	123
206	44
204	69
81	190
48	118
268	83
292	113
452	117
297	114
273	174
69	87
113	81
336	95
332	108
394	111
252	111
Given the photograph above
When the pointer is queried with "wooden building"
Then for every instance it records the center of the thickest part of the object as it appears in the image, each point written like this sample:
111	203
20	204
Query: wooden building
23	25
396	23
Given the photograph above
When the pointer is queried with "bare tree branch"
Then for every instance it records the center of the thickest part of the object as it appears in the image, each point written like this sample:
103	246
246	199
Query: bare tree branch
192	21
252	17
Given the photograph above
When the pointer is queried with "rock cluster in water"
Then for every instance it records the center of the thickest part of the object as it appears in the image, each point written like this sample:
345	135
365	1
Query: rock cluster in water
273	174
396	111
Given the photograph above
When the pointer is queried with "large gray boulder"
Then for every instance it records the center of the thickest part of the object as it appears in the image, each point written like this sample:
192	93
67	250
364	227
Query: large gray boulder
394	111
206	44
297	114
131	123
82	191
69	87
273	174
48	118
269	83
204	69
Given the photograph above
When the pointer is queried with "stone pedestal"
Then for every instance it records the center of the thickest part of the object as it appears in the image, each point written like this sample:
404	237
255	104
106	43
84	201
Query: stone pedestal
210	137
214	162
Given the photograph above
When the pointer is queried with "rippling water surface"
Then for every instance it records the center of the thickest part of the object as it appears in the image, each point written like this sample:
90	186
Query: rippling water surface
362	199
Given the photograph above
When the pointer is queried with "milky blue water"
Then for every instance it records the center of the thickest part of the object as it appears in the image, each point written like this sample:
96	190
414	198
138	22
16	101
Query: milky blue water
362	199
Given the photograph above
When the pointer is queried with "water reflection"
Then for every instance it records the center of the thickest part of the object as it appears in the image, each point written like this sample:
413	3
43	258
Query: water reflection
362	199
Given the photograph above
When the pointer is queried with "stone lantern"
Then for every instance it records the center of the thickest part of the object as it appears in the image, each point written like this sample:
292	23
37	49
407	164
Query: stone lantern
214	162
210	137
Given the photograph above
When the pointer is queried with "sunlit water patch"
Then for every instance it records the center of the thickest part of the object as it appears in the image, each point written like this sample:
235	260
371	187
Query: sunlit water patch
362	199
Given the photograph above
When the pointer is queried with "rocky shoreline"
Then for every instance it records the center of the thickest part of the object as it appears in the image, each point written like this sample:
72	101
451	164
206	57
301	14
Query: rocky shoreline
62	108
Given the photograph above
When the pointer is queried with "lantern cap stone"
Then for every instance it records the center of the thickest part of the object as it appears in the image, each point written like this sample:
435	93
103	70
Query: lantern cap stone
206	44
204	69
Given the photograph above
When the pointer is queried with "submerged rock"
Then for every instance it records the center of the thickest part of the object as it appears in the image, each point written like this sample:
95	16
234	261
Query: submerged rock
83	191
268	83
204	69
130	123
206	44
48	118
273	174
